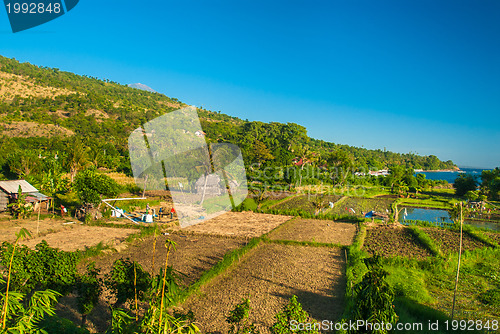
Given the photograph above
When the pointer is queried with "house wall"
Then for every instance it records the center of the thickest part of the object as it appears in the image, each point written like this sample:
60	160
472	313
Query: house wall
4	200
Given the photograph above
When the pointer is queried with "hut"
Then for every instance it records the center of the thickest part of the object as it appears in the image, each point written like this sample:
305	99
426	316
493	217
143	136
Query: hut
210	184
9	190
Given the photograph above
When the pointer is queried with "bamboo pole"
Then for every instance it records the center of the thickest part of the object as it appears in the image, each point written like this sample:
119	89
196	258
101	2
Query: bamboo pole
458	265
38	221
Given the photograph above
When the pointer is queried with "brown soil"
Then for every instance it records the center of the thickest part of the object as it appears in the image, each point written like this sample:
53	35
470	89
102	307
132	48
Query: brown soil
316	230
194	254
239	224
449	241
269	276
79	237
392	241
9	228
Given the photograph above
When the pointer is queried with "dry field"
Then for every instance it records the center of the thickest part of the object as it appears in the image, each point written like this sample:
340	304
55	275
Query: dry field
449	241
269	276
79	237
315	230
394	240
9	228
194	254
239	224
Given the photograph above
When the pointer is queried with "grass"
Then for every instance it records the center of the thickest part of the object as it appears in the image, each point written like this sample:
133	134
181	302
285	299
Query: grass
93	250
268	204
426	240
216	204
425	287
309	215
436	202
478	235
135	204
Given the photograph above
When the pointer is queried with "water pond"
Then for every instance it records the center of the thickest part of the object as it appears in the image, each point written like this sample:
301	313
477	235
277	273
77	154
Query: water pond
440	217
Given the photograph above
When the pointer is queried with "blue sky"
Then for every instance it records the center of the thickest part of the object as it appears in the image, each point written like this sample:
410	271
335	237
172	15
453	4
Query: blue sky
411	76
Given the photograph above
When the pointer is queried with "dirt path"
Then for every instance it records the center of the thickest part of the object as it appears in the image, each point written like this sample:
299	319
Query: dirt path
270	275
316	230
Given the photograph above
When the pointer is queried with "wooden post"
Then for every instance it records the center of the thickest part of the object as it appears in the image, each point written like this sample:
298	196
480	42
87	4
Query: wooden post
458	265
38	221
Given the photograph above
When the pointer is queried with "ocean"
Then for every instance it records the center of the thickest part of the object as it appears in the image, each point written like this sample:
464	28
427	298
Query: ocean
451	176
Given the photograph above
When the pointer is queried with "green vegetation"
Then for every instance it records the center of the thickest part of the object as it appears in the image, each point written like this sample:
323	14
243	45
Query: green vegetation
292	313
102	114
91	120
91	186
426	241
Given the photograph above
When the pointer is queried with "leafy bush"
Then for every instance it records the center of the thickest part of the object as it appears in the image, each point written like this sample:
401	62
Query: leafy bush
373	299
89	288
126	279
41	268
91	185
20	316
291	313
238	318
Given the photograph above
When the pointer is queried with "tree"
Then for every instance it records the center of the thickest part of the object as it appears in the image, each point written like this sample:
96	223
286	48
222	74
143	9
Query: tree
490	185
91	185
77	158
342	163
463	183
261	153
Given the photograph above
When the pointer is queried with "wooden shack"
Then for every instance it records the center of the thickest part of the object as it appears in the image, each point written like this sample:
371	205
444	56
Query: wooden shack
210	183
9	190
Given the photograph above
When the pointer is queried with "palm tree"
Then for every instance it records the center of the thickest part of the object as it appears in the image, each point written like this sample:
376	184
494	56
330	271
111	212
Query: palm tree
77	158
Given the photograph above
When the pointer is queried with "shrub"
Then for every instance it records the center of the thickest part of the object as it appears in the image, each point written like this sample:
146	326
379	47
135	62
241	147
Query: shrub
291	313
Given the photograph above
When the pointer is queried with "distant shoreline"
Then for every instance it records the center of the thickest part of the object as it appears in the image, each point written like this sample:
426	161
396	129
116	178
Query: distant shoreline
441	170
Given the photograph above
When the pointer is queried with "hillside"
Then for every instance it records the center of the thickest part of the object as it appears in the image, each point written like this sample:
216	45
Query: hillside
48	110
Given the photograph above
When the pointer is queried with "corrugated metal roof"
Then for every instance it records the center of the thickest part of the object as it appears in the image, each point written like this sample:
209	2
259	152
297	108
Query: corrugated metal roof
11	187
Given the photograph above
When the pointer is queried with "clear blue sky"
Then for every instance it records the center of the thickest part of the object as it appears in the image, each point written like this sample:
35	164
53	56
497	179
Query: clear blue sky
420	76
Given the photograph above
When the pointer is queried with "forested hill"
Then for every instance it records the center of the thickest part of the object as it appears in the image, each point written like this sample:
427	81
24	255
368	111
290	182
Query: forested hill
45	110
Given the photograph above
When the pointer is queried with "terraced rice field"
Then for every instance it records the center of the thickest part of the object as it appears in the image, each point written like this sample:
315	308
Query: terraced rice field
394	241
362	205
305	202
449	240
314	230
269	276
